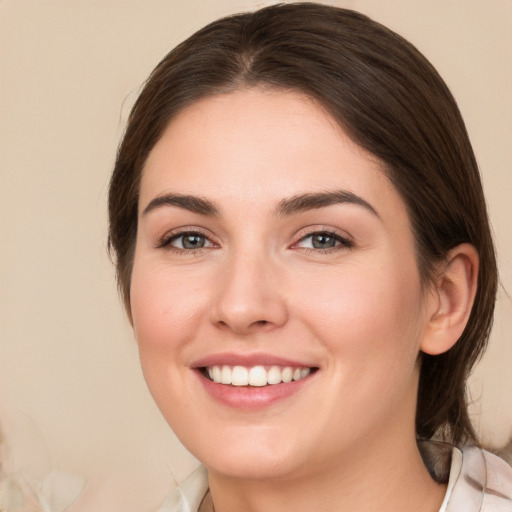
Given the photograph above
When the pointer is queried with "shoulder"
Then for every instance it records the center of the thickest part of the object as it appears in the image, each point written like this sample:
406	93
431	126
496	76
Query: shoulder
479	481
188	496
498	489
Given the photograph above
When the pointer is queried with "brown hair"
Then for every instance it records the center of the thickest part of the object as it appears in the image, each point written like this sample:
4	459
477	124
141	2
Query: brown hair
389	99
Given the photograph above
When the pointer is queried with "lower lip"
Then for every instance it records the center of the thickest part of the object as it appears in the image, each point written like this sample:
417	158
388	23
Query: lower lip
252	397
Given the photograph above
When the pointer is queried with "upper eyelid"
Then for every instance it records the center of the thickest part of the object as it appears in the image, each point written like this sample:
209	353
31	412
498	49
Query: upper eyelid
343	240
173	234
312	230
299	235
183	230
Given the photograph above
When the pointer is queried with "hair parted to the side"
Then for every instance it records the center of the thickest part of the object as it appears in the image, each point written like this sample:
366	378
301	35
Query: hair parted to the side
390	101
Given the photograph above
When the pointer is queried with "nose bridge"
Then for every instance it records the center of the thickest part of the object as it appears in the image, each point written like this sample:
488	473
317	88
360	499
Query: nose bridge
249	293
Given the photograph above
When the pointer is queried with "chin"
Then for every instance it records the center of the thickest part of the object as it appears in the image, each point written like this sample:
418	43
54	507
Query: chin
245	467
249	458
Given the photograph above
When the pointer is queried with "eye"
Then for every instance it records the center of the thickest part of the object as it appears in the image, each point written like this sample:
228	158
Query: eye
323	240
188	241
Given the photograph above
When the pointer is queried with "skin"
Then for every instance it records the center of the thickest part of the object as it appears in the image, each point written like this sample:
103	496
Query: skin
357	311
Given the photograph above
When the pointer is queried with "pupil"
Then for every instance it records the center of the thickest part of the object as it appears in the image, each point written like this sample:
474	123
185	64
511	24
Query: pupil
193	241
323	241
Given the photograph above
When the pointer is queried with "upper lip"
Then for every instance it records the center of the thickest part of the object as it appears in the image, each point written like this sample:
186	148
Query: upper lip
247	360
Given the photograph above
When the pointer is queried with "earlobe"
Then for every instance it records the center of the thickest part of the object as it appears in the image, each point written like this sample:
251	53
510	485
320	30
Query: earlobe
451	299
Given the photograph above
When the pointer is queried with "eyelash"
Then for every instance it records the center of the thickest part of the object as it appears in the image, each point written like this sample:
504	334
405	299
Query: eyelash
341	242
166	242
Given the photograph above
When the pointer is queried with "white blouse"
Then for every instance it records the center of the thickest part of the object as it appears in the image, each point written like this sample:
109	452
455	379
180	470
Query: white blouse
478	482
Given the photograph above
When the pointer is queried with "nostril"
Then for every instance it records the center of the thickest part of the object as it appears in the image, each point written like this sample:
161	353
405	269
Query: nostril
258	324
249	327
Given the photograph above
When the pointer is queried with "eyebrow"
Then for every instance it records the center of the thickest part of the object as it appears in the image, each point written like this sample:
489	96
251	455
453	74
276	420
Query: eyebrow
194	204
288	206
310	201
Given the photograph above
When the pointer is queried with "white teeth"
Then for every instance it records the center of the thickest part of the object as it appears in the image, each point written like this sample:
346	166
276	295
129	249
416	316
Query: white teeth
304	372
274	375
287	374
256	375
239	376
216	374
226	375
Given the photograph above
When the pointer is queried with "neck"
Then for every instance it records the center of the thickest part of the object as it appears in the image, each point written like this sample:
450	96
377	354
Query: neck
388	478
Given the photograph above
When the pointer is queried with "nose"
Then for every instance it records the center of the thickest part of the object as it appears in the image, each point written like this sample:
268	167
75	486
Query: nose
250	298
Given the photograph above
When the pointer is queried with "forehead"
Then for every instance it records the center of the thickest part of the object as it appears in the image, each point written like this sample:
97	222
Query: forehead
258	146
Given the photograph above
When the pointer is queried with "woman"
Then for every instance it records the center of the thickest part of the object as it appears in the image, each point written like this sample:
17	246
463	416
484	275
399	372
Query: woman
304	253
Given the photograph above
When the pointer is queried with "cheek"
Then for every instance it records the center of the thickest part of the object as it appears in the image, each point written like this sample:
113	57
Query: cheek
167	310
166	315
368	313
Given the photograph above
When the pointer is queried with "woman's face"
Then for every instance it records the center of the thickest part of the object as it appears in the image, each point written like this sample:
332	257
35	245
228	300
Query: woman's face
270	247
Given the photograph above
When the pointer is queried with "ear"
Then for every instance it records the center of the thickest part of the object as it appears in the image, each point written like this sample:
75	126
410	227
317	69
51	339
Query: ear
451	299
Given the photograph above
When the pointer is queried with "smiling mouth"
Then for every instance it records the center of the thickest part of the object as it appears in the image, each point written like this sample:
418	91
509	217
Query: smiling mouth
256	376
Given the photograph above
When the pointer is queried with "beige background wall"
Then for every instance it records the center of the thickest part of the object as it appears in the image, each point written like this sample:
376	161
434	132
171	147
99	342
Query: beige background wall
71	392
